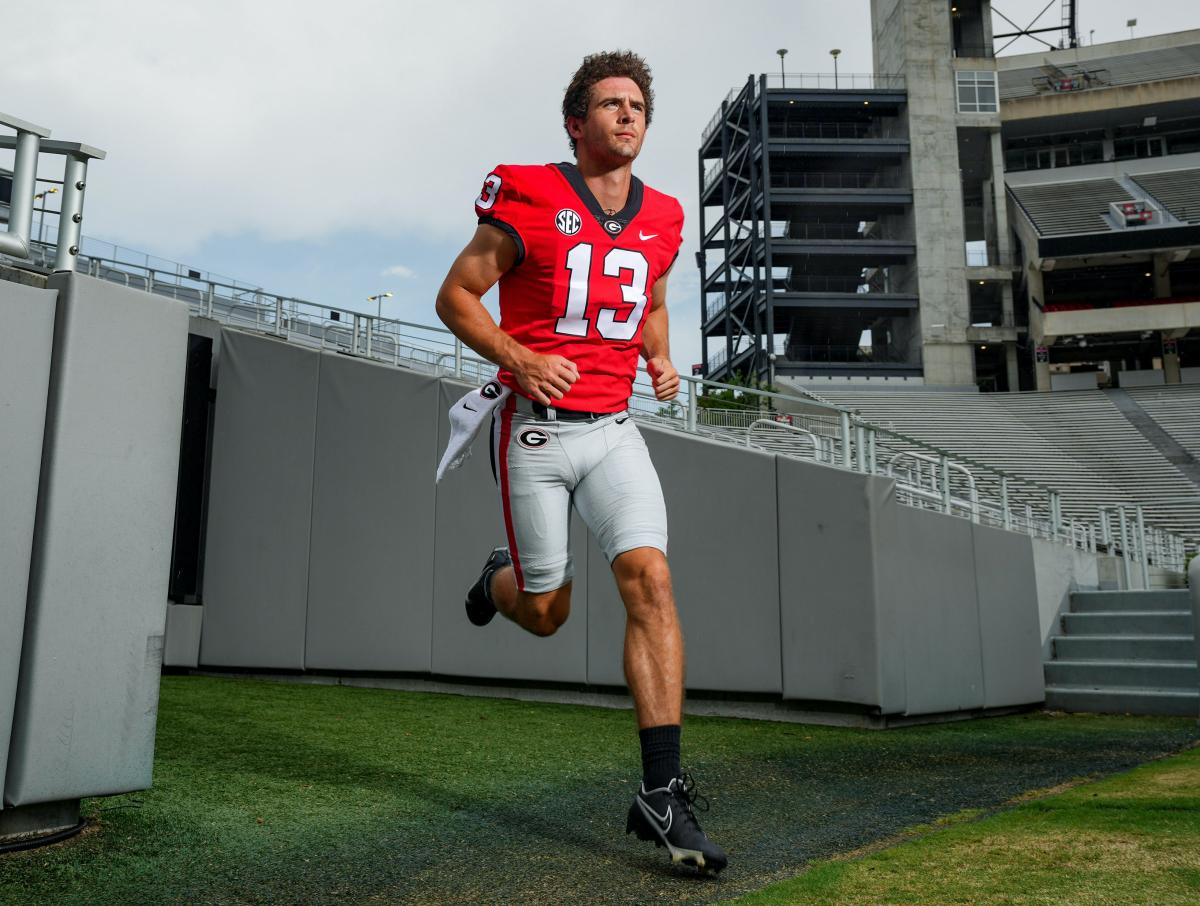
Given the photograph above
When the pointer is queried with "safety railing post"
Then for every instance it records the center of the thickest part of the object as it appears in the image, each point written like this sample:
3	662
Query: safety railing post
1105	529
1006	518
860	448
354	335
1124	528
458	358
845	423
691	407
279	315
945	479
871	451
370	335
1142	557
70	214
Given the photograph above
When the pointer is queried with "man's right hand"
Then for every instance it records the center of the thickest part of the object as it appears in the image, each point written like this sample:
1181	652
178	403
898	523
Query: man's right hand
545	378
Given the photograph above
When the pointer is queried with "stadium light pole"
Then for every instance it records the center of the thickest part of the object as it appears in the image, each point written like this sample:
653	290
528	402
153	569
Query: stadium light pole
41	196
378	300
834	53
782	78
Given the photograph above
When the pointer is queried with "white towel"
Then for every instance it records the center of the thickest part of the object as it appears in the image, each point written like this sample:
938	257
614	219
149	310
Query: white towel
467	416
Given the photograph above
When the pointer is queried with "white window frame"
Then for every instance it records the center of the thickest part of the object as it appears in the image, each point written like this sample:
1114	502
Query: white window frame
969	84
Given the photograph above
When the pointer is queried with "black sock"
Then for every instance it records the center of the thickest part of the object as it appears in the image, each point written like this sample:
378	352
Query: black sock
660	755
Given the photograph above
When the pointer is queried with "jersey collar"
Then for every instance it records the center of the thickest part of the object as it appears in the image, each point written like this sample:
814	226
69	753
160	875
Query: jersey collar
615	223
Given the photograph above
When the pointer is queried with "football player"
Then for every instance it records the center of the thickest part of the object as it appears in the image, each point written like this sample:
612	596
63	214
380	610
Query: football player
581	251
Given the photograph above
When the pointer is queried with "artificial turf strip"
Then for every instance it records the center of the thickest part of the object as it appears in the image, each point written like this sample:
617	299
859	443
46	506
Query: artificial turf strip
286	793
1130	839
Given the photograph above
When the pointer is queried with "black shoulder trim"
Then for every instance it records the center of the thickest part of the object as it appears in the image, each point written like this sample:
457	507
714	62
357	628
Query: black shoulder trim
510	229
633	203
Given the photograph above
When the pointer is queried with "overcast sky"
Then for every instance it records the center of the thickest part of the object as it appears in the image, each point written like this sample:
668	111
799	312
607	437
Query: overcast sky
333	150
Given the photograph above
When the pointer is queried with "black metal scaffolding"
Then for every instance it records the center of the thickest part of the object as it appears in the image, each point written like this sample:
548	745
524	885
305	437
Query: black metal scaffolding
805	243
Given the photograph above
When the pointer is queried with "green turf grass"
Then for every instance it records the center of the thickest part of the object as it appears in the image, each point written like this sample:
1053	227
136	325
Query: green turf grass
288	793
1130	839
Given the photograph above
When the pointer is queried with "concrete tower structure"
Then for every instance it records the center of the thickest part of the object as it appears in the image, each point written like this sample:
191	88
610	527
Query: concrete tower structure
962	272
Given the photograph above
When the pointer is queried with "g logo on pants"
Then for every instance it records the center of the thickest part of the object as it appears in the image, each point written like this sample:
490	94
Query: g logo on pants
533	438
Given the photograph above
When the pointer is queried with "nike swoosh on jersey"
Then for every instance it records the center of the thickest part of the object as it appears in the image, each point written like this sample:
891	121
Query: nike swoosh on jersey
644	237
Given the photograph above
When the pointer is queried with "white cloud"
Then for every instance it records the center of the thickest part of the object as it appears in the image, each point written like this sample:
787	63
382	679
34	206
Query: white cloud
398	270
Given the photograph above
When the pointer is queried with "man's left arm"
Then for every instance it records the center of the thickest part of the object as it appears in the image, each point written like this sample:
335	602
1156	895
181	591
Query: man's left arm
656	344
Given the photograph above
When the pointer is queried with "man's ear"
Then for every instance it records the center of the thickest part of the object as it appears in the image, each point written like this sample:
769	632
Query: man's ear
574	127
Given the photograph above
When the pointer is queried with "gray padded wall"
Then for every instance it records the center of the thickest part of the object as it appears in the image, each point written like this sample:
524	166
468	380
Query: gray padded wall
370	580
468	525
926	576
25	347
260	504
829	620
1006	588
721	515
87	696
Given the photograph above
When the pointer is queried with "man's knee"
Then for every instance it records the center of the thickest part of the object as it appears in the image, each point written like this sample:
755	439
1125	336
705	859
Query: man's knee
546	612
645	580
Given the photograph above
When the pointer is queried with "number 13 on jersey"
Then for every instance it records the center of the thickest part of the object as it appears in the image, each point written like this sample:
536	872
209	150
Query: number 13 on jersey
618	263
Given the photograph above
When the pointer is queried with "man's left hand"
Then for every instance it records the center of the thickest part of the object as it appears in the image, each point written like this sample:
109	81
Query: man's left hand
664	376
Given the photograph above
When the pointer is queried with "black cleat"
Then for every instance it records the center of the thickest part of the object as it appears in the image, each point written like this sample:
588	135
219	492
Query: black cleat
665	816
480	608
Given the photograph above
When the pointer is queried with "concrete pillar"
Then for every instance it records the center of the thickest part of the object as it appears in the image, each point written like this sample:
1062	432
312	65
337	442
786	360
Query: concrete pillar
1010	365
1171	372
1041	372
1162	277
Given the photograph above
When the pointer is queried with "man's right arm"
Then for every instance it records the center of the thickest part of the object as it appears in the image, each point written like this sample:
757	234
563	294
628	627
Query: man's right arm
487	257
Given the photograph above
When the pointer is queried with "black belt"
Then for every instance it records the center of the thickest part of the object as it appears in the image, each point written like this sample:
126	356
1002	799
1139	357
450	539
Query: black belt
568	415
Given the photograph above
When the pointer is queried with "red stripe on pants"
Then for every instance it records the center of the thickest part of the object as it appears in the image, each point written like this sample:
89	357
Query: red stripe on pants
505	434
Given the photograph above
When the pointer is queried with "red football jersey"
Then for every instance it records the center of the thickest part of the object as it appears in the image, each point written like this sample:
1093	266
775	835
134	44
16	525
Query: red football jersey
582	282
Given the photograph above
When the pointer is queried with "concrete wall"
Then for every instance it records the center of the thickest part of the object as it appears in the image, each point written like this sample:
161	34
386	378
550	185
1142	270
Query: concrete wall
913	38
1058	571
25	348
791	578
87	693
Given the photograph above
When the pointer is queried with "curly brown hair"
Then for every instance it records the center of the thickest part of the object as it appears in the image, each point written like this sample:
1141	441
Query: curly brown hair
596	67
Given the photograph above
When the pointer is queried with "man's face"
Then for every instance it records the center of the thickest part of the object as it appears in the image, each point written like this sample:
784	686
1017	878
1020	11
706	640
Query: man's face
616	121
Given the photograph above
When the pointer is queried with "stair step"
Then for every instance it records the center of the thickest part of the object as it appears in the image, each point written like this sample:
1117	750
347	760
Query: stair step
1151	622
1104	674
1175	600
1124	647
1116	700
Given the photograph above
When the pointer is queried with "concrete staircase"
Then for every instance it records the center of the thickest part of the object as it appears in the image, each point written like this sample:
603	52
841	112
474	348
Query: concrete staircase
1125	652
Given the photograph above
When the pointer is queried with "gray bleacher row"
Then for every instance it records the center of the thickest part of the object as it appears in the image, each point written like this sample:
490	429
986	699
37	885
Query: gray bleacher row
1176	410
1058	209
1128	69
1177	190
330	548
1076	442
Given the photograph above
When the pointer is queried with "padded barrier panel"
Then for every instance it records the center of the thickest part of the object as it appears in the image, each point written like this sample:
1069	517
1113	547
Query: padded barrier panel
927	575
260	504
87	696
829	619
721	519
26	342
370	584
468	525
1009	631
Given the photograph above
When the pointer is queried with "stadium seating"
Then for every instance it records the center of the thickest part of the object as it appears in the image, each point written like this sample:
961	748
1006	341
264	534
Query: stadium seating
1059	209
1176	410
1177	190
1130	69
1077	442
